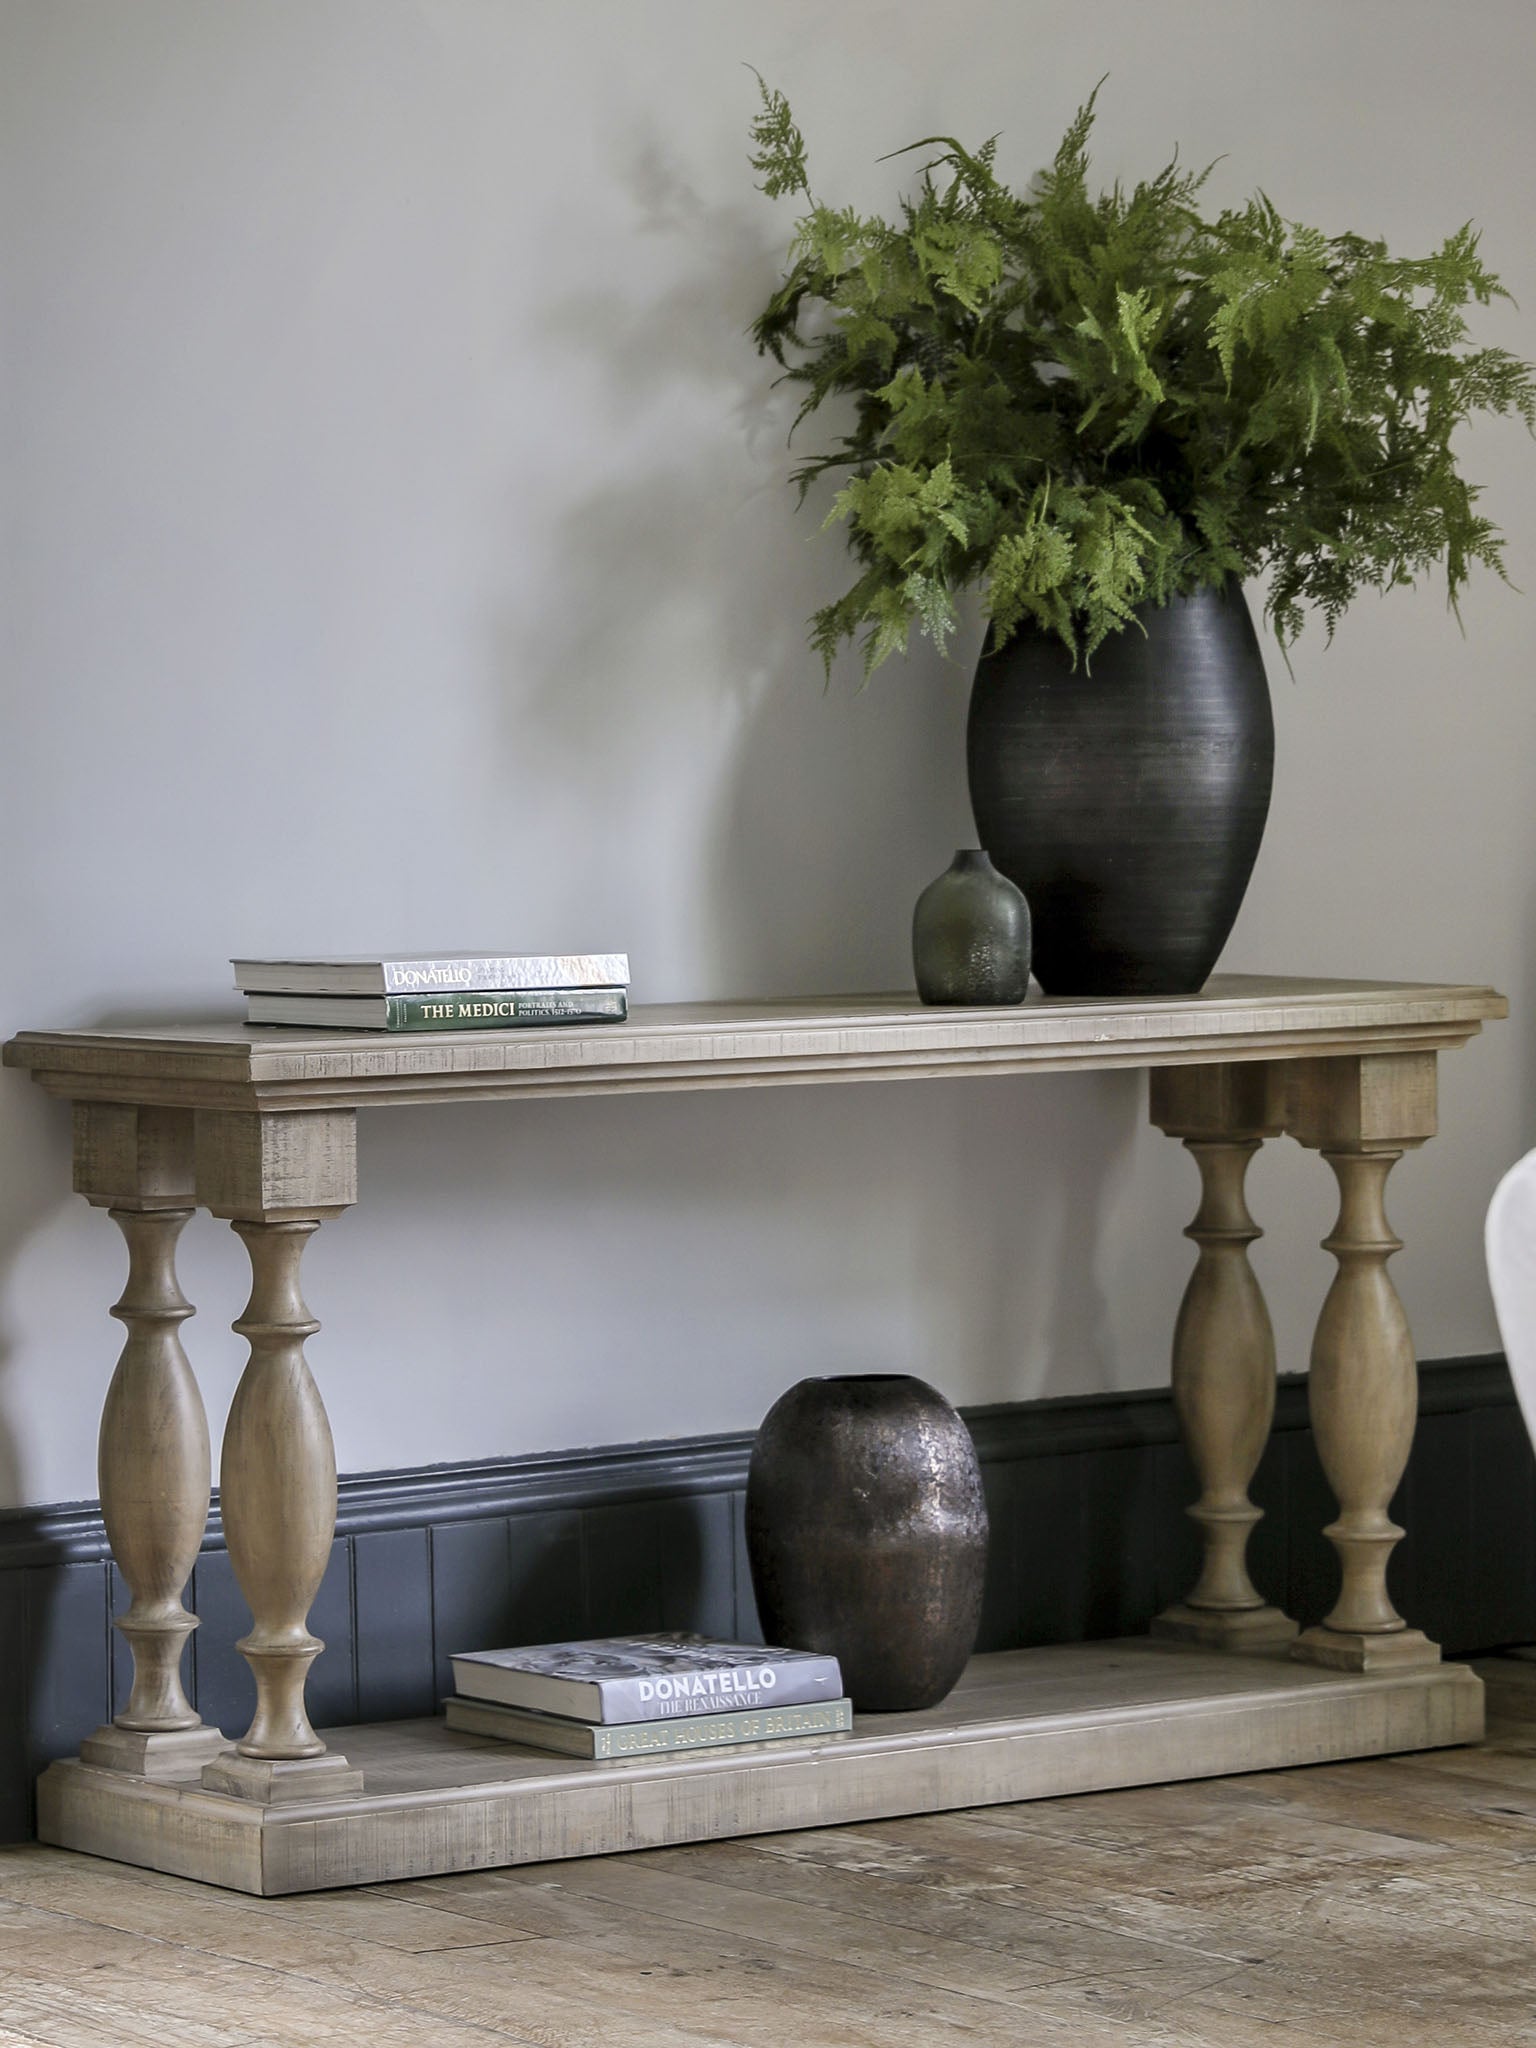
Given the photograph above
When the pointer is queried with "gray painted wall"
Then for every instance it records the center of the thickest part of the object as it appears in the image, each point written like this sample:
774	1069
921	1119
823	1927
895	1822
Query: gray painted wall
399	554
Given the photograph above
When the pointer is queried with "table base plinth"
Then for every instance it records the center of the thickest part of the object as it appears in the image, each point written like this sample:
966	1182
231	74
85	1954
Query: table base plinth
1021	1725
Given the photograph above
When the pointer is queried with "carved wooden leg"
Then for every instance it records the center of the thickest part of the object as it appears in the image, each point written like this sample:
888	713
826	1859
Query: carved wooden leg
277	1481
153	1462
1363	1114
1223	1350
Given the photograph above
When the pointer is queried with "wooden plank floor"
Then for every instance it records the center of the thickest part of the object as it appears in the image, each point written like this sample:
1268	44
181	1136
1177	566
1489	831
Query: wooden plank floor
1387	1902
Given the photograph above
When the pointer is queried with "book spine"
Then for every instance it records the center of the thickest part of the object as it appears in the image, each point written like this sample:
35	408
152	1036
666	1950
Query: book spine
684	1694
715	1731
506	1724
493	1012
646	1738
514	971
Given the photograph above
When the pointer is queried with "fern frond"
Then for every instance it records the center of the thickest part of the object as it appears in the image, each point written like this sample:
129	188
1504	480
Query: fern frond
780	156
1086	402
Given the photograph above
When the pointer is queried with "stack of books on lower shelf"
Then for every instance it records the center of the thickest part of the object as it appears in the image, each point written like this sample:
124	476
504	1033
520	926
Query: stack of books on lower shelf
442	992
646	1695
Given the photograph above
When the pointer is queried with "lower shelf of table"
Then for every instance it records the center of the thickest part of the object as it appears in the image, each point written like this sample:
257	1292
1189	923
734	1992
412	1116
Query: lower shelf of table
1022	1724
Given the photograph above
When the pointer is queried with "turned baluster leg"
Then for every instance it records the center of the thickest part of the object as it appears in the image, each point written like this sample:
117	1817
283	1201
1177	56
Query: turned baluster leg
153	1463
153	1467
1223	1350
1362	1115
277	1178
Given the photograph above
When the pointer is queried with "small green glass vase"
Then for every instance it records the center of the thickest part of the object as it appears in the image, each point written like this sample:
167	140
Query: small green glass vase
971	935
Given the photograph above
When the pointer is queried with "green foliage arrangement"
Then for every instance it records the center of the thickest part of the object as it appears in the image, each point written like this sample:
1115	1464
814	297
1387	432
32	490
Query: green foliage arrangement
1081	404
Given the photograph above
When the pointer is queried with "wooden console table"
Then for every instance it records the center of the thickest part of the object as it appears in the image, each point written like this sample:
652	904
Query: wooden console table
259	1125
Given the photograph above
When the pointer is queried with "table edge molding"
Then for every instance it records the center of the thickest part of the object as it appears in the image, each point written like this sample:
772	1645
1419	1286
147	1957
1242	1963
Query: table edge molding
733	1053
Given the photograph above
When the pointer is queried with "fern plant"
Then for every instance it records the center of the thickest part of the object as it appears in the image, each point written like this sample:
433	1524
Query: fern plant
1081	403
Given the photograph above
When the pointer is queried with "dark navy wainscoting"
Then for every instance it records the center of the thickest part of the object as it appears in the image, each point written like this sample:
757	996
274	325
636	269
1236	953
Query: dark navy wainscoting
1089	1539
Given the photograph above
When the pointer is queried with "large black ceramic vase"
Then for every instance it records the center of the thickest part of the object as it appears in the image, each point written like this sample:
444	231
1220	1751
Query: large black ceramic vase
1127	798
867	1534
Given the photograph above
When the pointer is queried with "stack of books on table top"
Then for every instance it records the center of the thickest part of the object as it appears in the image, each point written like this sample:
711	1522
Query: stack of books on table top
444	992
646	1695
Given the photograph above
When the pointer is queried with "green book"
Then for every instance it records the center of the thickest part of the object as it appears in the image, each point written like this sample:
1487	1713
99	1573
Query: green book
489	1010
646	1738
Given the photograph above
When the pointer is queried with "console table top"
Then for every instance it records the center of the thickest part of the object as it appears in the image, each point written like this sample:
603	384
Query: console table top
749	1044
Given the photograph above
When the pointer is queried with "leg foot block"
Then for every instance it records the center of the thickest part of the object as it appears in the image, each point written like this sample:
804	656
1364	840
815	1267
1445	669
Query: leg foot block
163	1753
273	1781
1400	1650
1252	1631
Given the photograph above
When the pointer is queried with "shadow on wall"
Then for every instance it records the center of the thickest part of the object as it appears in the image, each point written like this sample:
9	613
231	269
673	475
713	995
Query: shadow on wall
686	1257
667	656
1077	1136
34	1187
777	834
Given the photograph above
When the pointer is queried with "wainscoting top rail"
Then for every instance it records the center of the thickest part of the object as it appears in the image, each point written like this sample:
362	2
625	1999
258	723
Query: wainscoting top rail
736	1045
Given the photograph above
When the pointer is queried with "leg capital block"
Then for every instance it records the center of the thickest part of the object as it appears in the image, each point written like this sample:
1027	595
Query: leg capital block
130	1157
261	1167
1243	1099
1374	1101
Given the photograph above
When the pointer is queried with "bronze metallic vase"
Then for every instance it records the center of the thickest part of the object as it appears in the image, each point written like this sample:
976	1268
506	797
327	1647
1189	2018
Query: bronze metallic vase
867	1534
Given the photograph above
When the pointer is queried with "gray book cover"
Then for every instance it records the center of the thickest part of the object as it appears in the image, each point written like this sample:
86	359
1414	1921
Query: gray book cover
646	1678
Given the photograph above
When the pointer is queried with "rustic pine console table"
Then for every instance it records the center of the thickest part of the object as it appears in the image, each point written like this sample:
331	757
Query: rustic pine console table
258	1125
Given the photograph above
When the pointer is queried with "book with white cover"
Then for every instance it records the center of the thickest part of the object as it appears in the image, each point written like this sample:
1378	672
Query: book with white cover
646	1678
568	1737
430	974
